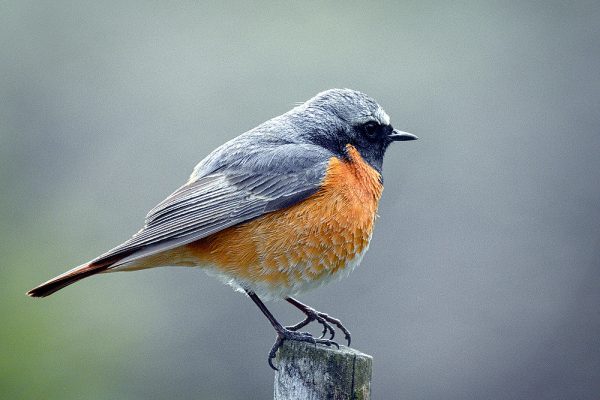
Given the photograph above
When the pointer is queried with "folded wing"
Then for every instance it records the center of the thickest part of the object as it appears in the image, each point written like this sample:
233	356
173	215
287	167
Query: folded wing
217	201
236	183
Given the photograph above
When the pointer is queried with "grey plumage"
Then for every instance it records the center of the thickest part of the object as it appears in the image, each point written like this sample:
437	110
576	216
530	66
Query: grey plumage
277	164
265	169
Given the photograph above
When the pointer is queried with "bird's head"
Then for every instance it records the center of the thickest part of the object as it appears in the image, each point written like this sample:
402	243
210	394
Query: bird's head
339	117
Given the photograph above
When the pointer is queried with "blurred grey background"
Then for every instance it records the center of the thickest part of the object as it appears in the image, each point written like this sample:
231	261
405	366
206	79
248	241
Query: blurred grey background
483	276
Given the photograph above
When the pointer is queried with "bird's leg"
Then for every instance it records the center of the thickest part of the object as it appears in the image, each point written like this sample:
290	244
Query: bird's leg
284	334
322	318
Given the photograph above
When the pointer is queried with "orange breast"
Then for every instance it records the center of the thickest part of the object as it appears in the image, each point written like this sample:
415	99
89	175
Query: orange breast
302	244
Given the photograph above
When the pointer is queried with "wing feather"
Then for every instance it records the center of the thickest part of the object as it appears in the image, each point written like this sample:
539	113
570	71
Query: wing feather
215	202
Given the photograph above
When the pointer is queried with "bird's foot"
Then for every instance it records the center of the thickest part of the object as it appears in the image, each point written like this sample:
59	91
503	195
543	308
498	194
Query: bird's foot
284	334
323	319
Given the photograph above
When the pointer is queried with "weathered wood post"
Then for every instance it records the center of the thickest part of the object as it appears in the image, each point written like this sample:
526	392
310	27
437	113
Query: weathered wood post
310	372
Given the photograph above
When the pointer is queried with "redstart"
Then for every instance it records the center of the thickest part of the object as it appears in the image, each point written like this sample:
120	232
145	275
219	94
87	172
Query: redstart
285	207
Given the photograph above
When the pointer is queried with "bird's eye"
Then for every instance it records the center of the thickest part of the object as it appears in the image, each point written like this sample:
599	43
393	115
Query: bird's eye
371	128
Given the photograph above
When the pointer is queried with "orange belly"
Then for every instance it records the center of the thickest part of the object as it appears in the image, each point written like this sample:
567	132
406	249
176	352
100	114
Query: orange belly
288	251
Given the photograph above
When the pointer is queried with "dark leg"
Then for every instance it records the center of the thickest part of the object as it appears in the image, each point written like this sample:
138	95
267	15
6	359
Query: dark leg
322	318
284	334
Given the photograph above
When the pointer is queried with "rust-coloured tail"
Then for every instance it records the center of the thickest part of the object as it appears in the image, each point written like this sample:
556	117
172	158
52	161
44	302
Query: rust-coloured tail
69	277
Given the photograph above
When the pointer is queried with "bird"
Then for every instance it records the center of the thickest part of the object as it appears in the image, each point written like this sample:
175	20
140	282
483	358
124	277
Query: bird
283	208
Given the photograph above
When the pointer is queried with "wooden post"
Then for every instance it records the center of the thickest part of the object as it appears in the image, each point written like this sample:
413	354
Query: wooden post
310	372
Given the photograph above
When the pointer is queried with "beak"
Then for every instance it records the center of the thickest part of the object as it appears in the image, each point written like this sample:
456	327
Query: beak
400	136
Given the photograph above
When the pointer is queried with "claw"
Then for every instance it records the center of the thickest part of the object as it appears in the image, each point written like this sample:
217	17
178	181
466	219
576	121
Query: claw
286	334
337	323
316	316
321	318
299	325
326	327
291	333
278	343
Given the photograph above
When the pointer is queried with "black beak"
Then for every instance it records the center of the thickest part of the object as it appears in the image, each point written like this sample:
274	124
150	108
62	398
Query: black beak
399	136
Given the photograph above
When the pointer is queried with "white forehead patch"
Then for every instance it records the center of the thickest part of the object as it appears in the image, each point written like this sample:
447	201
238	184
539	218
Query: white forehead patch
381	116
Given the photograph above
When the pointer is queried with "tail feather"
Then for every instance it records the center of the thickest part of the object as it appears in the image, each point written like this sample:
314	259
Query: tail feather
66	279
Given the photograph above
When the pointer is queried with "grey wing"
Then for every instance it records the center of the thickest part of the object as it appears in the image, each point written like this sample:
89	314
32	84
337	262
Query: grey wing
215	202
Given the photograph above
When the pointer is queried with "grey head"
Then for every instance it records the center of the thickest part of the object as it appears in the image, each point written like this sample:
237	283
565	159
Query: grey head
309	133
338	117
